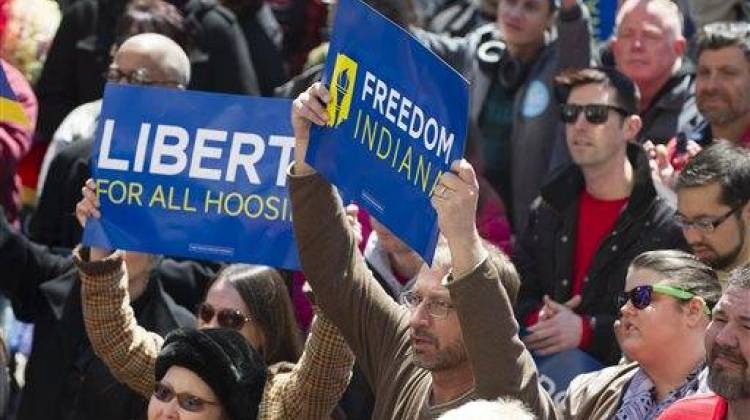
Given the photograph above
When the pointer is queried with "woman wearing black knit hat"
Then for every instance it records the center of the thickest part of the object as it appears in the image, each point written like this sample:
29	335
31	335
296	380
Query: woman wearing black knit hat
209	374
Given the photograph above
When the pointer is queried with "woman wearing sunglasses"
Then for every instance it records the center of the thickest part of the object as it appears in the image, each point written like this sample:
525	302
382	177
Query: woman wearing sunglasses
208	374
664	312
252	300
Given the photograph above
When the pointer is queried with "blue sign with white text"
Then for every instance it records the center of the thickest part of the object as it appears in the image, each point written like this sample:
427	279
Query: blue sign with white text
193	174
397	119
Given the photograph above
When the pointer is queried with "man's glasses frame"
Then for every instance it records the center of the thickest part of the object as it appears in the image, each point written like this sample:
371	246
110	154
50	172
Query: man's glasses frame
138	76
706	224
641	296
436	308
594	113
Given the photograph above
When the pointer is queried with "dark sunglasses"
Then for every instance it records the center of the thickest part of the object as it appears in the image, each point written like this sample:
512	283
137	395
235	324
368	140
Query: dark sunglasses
188	402
227	318
594	113
640	296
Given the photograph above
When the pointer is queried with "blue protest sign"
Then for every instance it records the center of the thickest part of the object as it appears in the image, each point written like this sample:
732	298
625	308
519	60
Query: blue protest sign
602	17
194	174
556	371
398	117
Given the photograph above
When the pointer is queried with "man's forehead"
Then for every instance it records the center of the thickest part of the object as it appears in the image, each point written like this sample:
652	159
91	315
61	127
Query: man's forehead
699	199
429	281
729	55
735	301
591	93
645	15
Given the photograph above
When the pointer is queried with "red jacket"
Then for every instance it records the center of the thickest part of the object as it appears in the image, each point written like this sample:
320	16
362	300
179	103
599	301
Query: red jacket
703	407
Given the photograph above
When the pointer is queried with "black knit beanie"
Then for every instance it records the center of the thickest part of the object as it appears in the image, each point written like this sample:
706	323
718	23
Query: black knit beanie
224	360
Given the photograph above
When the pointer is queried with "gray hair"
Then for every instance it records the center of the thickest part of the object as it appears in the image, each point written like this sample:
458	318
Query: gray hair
668	9
740	277
500	409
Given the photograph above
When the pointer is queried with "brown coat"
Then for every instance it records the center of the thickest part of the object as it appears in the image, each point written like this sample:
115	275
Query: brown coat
597	395
377	329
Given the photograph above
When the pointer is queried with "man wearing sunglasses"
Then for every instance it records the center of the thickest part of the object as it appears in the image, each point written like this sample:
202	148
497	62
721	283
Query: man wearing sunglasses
728	348
712	201
590	221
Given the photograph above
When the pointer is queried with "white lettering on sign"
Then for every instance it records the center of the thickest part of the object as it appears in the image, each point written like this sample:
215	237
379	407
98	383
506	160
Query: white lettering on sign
407	116
171	155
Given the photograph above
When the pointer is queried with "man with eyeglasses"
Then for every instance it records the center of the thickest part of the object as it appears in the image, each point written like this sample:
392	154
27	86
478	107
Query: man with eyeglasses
590	221
728	353
712	201
446	345
144	59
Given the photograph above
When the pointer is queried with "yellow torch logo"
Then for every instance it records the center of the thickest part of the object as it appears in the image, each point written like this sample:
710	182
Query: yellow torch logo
342	89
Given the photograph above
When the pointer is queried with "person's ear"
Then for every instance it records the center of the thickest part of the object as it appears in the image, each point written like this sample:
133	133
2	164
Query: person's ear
745	213
633	124
695	311
680	46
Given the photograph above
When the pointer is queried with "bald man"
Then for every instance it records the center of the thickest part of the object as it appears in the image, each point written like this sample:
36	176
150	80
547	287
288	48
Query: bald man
145	59
648	47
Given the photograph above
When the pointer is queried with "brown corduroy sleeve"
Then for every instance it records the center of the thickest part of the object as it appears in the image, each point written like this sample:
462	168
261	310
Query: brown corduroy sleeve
502	365
372	323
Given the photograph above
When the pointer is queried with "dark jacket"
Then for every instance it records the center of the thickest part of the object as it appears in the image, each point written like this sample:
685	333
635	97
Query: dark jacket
545	251
54	223
73	72
64	378
264	40
673	110
536	141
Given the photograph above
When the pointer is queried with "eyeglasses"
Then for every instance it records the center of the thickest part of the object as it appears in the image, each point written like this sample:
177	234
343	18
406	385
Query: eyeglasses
594	113
640	296
436	308
186	401
138	76
227	318
706	224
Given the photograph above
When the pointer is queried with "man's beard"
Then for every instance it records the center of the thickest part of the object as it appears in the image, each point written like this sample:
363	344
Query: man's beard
718	116
729	386
722	262
448	357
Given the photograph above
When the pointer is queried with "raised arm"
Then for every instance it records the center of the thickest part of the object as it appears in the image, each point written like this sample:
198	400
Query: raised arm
126	348
574	42
482	288
315	385
372	323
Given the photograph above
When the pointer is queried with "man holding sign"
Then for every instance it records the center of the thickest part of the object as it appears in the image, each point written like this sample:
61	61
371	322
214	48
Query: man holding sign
444	347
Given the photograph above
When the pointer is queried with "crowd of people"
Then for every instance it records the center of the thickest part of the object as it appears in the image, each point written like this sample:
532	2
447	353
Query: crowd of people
602	209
